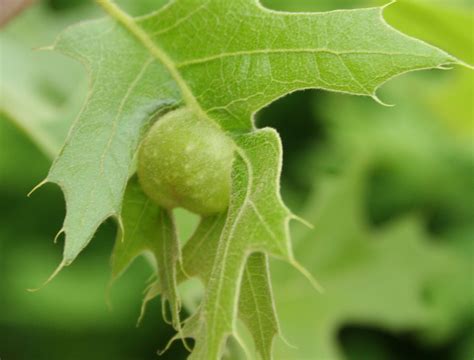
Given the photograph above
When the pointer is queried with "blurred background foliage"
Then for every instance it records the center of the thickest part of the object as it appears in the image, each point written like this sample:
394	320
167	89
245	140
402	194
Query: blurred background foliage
389	190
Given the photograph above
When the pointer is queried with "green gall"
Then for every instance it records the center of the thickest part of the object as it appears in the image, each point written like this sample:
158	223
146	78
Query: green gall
186	161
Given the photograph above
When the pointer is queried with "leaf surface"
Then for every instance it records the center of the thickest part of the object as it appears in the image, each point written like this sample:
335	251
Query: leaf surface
149	229
256	304
97	159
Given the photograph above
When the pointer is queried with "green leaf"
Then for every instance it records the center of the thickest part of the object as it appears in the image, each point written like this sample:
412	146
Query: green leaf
149	229
256	304
141	67
321	50
199	253
97	159
257	222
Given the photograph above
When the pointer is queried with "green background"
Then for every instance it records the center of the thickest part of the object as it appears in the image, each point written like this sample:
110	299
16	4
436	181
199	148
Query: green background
390	191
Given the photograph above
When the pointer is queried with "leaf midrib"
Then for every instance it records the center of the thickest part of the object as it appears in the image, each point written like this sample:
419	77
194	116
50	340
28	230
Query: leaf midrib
129	24
210	58
257	312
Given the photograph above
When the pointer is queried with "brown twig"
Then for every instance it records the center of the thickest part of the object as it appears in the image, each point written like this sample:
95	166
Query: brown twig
11	8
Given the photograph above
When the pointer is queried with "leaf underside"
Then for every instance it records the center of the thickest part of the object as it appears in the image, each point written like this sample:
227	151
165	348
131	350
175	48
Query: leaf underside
185	54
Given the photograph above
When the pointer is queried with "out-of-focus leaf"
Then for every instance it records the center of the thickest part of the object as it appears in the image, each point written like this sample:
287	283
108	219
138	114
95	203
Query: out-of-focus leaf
412	148
373	277
41	92
453	104
442	23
